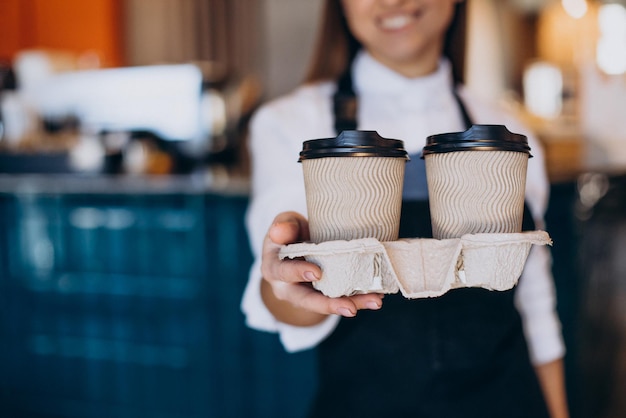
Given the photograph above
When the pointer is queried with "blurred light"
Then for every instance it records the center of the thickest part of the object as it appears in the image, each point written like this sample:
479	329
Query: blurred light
86	218
177	220
611	48
543	89
214	116
575	8
119	218
43	254
87	155
136	158
591	188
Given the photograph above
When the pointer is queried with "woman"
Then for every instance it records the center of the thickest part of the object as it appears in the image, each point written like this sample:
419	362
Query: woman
384	65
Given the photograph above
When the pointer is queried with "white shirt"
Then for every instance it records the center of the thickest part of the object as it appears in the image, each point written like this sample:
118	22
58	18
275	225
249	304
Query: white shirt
400	108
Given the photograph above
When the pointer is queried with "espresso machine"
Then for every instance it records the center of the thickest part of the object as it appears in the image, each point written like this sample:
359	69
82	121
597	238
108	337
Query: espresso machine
154	119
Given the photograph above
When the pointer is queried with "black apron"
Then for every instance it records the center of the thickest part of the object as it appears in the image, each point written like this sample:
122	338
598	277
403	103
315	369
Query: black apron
462	354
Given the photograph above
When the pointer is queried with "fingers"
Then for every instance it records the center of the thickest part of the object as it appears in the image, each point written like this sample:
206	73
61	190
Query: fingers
306	297
348	306
372	301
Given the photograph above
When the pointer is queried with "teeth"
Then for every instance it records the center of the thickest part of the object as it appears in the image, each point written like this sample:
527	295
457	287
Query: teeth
395	22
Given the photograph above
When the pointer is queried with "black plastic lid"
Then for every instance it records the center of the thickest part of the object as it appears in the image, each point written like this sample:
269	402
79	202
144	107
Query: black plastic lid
353	144
477	138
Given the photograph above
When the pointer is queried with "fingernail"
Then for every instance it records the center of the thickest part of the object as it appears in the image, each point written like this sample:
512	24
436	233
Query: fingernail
345	312
372	305
309	276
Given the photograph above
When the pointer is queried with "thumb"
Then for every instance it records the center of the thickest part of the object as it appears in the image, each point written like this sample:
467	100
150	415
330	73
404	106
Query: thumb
289	227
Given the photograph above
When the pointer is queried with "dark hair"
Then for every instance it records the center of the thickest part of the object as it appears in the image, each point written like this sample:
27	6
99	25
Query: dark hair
336	46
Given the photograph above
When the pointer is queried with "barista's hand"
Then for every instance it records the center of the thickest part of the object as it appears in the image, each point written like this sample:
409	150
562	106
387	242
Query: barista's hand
286	287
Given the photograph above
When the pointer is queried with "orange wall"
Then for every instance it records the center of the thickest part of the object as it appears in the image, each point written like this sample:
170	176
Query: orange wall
10	39
72	25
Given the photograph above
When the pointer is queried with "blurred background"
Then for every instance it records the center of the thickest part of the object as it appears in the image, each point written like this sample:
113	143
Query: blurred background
124	182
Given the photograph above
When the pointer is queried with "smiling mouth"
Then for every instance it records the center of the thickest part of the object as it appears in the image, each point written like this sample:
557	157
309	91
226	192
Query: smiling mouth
398	21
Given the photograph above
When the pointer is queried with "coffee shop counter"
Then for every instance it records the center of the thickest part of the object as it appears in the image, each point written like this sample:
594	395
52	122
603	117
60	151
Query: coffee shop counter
119	296
214	182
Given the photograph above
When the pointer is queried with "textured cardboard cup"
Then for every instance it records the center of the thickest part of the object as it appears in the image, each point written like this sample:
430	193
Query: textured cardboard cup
353	197
353	186
476	181
476	192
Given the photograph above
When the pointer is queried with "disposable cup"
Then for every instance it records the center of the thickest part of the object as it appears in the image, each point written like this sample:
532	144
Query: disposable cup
476	181
353	186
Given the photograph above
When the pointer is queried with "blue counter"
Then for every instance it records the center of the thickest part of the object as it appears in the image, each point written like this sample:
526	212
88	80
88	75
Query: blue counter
120	298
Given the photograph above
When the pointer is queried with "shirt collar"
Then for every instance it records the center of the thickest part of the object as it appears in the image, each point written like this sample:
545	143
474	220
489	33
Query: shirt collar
370	76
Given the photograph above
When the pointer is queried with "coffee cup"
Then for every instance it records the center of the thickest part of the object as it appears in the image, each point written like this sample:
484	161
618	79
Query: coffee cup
476	181
353	186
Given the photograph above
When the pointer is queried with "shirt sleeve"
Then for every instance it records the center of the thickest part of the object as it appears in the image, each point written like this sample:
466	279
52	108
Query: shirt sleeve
277	186
536	301
536	295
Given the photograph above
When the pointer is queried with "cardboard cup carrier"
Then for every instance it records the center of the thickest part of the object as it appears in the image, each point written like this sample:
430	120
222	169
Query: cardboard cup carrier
476	181
353	186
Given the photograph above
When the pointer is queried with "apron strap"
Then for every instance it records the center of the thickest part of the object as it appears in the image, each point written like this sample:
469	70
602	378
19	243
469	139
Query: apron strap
345	104
467	120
